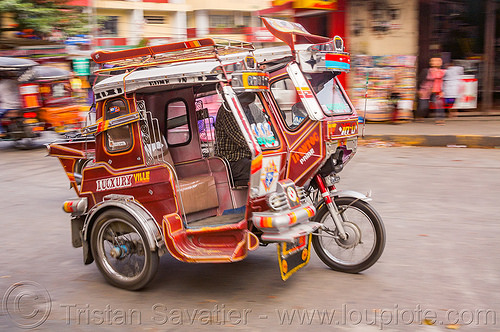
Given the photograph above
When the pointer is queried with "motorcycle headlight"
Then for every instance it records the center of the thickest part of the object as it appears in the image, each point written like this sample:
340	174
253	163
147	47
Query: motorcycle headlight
334	164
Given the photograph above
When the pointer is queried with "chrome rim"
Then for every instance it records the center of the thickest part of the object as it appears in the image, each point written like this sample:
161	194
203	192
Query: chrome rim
121	250
361	237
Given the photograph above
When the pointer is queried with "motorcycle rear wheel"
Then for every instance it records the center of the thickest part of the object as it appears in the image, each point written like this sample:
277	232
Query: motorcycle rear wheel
364	244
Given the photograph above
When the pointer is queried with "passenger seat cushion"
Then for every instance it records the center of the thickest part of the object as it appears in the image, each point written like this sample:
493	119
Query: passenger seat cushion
198	193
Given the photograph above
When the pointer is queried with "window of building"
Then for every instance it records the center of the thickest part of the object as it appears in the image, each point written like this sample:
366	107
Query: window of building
120	138
221	21
154	19
177	125
109	26
247	21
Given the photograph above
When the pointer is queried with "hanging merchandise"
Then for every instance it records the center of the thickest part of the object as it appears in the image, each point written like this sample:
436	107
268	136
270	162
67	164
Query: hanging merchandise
387	76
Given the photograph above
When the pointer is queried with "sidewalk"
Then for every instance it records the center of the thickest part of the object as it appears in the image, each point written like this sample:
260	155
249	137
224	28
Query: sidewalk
472	132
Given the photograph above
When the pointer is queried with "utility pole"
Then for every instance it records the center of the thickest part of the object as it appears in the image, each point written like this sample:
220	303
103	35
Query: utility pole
489	56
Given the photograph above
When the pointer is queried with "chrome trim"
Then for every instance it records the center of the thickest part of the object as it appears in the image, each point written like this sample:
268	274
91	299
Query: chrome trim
351	193
292	233
280	220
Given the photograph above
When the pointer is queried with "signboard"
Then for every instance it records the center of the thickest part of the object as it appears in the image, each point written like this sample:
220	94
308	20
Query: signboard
316	4
81	67
280	2
259	35
467	93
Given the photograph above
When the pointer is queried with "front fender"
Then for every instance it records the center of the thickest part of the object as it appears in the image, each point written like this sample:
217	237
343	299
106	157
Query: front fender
351	193
132	207
345	193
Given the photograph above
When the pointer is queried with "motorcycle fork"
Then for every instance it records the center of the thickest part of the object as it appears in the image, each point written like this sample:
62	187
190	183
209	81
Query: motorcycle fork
332	207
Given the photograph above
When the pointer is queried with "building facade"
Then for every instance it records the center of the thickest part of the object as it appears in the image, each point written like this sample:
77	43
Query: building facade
119	23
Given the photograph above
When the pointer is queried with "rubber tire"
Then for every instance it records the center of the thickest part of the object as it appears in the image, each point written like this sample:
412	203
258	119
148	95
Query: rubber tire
378	226
152	257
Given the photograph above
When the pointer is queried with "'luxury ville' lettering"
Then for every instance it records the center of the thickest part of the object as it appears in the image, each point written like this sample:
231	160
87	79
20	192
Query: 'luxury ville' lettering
114	183
141	177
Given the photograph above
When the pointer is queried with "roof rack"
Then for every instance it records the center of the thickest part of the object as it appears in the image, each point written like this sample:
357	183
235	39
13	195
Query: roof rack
198	49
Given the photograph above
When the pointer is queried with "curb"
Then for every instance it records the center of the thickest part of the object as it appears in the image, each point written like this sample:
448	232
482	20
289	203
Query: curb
469	141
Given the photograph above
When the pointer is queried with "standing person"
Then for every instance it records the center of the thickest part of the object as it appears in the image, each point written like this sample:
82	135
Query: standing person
431	90
424	93
435	76
393	99
451	85
9	98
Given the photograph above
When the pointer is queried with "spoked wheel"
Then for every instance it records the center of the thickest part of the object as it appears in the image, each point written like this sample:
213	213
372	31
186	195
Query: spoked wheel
365	236
121	250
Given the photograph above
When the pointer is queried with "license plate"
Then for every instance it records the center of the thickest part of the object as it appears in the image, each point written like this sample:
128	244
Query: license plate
294	256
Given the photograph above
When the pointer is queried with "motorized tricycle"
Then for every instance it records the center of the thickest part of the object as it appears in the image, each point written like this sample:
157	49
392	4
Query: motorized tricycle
20	122
44	98
150	180
59	109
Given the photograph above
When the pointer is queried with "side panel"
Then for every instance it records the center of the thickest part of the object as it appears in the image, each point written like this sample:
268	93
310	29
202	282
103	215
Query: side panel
153	187
306	153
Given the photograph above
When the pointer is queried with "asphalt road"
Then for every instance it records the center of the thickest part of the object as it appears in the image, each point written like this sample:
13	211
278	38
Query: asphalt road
440	265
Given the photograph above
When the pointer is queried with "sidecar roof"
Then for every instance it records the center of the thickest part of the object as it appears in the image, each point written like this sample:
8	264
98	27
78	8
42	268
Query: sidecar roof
167	77
11	64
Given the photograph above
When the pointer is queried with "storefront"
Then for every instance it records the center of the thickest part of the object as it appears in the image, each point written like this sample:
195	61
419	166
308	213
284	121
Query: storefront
384	48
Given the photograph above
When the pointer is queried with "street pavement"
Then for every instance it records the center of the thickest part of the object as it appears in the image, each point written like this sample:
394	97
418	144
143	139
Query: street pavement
471	132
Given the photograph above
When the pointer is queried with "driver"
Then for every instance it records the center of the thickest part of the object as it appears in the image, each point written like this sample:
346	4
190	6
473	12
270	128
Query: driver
230	143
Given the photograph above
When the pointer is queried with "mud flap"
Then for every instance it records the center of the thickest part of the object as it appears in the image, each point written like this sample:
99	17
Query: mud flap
294	256
87	254
76	231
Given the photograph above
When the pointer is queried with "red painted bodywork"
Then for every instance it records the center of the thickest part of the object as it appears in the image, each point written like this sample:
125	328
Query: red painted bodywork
302	152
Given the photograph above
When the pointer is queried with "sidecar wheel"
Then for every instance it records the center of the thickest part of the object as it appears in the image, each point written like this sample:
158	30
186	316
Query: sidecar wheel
121	250
364	244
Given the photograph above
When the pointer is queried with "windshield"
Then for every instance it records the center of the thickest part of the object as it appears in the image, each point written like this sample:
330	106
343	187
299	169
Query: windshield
329	93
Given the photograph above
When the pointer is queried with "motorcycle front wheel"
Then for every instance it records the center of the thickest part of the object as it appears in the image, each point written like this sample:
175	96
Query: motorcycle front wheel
365	240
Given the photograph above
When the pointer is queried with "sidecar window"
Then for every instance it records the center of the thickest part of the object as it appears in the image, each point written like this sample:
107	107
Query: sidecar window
177	124
292	109
329	94
117	139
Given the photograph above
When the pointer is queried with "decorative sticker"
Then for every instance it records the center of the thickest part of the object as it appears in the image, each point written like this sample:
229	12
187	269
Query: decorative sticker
264	134
342	128
114	109
269	175
293	197
305	154
306	149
